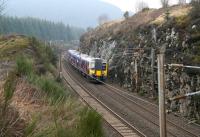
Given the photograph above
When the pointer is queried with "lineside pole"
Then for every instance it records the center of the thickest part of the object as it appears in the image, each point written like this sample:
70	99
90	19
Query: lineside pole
136	75
60	64
161	88
152	72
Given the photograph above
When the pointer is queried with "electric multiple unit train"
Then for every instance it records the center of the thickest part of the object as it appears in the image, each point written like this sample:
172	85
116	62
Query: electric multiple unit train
93	68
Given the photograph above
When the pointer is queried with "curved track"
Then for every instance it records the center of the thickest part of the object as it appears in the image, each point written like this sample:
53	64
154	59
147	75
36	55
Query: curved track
117	126
152	109
141	113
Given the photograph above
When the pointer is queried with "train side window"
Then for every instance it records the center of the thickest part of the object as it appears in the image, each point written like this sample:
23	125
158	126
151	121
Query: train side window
92	65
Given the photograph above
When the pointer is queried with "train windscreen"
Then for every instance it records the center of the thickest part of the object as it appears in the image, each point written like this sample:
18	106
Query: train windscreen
98	64
104	66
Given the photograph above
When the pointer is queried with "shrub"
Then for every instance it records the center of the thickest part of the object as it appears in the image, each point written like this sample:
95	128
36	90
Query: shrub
90	124
9	88
195	12
45	53
145	9
24	66
29	130
52	89
126	15
9	117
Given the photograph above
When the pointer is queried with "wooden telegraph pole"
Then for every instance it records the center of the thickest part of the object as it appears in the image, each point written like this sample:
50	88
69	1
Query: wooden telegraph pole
161	88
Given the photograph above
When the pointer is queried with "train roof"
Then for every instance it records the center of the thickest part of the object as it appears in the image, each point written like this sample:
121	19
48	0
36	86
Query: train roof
83	56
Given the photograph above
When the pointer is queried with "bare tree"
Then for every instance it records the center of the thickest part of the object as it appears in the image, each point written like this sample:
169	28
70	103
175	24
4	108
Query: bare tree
181	2
195	12
165	3
89	29
126	15
2	6
103	18
195	1
141	5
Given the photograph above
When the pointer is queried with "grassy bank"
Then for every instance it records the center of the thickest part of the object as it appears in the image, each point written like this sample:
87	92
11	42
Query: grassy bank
32	88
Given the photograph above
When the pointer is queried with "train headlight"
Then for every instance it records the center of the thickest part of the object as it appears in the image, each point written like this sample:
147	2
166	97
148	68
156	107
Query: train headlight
92	72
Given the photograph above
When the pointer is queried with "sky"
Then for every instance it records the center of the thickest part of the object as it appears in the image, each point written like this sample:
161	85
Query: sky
83	13
129	5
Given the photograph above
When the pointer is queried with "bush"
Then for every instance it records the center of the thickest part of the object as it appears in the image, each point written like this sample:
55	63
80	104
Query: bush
195	12
9	88
52	89
126	15
24	66
10	122
90	124
45	53
145	9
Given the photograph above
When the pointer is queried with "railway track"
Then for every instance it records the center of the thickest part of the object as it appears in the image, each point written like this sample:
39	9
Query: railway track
140	108
119	124
153	110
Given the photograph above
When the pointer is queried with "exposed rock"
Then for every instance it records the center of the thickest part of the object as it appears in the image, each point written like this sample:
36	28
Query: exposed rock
127	45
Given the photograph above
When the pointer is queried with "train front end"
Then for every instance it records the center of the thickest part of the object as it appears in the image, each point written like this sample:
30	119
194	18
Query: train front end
98	69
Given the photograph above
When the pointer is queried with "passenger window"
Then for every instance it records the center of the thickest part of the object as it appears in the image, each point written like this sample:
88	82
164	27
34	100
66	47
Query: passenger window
92	65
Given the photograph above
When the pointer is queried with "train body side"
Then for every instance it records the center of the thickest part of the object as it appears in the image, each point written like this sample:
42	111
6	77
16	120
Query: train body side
95	68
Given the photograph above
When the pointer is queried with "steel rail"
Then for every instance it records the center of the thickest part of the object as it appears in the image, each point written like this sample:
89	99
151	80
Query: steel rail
155	114
106	107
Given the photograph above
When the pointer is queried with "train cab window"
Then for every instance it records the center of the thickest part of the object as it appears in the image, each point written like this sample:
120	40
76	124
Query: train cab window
98	64
104	66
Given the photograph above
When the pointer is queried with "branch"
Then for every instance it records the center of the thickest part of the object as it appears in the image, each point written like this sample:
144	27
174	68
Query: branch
2	6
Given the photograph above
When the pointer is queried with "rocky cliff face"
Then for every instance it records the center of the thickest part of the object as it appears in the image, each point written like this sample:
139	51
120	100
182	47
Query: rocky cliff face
129	46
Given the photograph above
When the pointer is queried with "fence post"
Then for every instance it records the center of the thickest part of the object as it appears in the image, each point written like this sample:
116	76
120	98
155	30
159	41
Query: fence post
161	88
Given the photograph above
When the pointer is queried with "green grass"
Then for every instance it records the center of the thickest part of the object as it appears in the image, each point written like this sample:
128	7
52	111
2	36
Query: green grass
59	119
9	88
24	66
10	48
87	124
52	89
31	127
182	21
5	110
90	124
45	53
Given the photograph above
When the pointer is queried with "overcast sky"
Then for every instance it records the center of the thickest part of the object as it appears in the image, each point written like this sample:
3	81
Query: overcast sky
129	5
81	13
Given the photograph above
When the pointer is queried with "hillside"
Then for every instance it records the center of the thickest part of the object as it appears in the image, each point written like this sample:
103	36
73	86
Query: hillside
128	43
33	101
73	12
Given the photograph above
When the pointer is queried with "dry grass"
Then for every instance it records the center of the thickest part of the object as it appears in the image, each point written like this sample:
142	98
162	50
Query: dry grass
9	48
111	23
174	12
28	109
11	124
27	99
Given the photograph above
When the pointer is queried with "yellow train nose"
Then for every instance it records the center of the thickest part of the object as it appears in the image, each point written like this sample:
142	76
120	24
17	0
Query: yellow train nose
98	73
